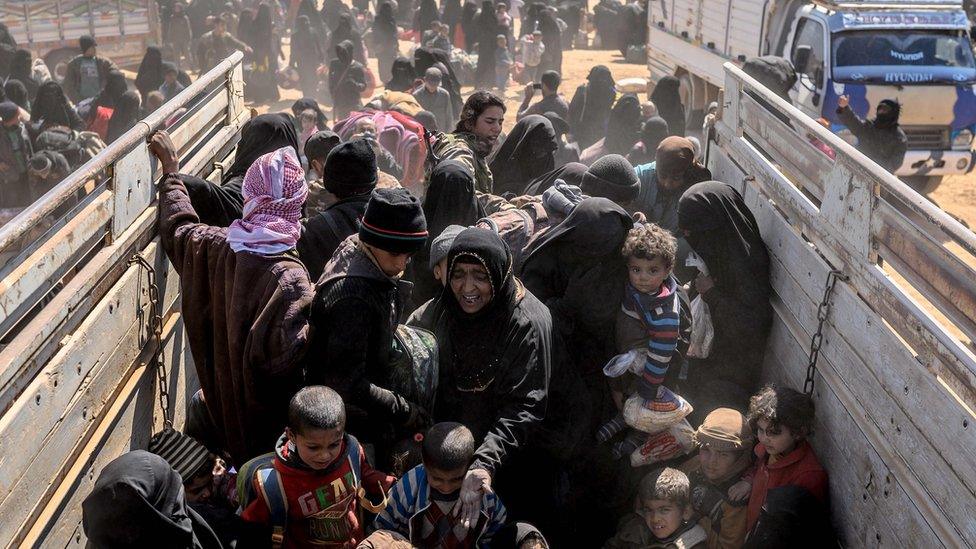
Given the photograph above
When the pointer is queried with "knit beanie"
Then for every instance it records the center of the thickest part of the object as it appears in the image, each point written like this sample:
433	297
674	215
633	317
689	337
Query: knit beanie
86	42
182	452
8	110
612	177
350	169
442	244
724	429
393	221
320	144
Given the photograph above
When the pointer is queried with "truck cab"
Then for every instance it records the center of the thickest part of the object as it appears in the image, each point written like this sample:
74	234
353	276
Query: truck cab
921	57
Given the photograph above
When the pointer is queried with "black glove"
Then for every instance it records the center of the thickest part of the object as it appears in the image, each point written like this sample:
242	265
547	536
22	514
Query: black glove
418	419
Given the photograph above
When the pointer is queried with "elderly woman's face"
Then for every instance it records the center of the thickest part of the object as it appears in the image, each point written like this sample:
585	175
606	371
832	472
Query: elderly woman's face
471	286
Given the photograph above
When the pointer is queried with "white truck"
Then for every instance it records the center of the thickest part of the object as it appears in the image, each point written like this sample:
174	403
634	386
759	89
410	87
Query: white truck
87	304
50	29
915	51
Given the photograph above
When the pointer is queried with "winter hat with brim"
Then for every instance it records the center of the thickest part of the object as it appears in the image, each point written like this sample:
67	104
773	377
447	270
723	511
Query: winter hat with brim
8	110
393	221
350	168
441	245
724	429
86	42
182	452
611	177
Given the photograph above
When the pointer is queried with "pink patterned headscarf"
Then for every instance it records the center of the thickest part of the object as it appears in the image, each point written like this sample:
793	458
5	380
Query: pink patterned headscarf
274	191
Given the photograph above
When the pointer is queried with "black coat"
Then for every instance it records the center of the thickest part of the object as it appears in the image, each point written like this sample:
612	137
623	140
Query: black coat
324	232
885	144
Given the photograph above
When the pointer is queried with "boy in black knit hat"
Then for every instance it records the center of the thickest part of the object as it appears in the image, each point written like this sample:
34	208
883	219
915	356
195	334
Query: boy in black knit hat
358	301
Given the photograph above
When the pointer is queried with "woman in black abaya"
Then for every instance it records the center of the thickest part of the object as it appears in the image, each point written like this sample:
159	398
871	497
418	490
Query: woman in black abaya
125	116
307	53
150	75
527	152
52	108
385	41
668	101
487	29
263	39
590	107
347	30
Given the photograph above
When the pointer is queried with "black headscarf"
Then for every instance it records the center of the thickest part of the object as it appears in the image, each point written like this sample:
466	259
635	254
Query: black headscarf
261	32
450	200
474	338
426	14
468	13
307	103
514	534
425	58
16	91
332	10
571	172
150	75
21	69
528	151
138	501
52	107
124	117
307	45
552	39
262	134
888	120
451	14
384	24
346	30
668	102
654	130
307	8
403	76
590	109
623	126
111	94
722	230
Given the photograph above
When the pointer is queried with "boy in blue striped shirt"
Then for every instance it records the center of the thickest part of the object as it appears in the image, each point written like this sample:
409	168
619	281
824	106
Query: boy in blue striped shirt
422	503
647	336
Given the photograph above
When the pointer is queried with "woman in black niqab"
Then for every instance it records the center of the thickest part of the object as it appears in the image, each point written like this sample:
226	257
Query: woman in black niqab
426	14
138	501
307	8
667	99
21	69
307	103
150	75
451	16
653	131
528	151
487	30
332	11
552	58
307	53
623	126
570	172
450	200
125	116
721	229
385	41
494	363
347	79
403	76
469	11
219	205
52	108
347	30
589	110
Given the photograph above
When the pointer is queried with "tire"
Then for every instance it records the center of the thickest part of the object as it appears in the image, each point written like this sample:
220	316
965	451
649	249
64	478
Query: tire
57	61
923	184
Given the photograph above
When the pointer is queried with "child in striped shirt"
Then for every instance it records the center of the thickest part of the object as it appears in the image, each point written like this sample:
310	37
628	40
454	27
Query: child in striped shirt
647	336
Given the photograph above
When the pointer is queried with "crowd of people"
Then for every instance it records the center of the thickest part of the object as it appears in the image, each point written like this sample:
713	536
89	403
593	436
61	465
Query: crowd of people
412	329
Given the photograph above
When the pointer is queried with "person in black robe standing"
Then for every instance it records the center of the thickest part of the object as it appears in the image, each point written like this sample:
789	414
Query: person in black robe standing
266	46
552	57
385	41
469	11
307	53
487	29
347	30
150	75
347	80
590	107
527	153
667	99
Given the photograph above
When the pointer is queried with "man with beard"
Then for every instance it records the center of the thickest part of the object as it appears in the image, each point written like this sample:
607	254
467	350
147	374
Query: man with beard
881	139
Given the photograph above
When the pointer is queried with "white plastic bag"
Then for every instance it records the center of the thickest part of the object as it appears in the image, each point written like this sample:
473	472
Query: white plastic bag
676	440
632	360
702	330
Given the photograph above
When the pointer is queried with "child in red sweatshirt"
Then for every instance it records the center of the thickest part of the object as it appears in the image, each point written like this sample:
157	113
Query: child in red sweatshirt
310	488
782	420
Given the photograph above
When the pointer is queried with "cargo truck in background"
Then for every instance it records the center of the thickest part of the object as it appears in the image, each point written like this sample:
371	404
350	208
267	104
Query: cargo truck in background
915	51
50	29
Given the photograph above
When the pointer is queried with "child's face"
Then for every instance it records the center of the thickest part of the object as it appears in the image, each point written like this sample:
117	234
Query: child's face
777	439
200	487
445	482
647	275
318	448
664	517
501	41
364	125
170	77
718	465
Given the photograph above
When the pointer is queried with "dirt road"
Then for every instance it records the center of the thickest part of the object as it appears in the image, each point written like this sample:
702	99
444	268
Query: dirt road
957	195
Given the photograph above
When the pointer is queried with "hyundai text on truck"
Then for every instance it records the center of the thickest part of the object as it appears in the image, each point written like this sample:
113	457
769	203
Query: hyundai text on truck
917	52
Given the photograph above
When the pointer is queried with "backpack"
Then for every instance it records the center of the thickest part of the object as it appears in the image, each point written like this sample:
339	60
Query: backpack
518	227
271	489
76	147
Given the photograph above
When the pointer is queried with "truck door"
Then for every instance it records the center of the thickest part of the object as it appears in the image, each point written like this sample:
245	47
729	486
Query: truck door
808	53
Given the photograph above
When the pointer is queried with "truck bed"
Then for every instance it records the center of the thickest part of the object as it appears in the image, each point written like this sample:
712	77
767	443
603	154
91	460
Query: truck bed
895	385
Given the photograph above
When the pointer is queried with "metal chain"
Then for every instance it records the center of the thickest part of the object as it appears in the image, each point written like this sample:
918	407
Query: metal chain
154	327
823	311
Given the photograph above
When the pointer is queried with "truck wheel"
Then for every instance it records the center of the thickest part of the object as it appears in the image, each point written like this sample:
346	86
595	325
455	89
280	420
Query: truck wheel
923	184
57	62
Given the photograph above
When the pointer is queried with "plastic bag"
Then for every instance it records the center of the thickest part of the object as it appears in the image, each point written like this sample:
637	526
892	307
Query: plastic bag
657	415
702	330
632	361
674	441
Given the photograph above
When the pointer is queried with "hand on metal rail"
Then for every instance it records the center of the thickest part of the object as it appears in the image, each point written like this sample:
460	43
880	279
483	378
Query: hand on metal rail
162	147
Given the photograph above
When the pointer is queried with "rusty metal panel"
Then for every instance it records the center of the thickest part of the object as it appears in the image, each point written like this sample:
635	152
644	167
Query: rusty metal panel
132	187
